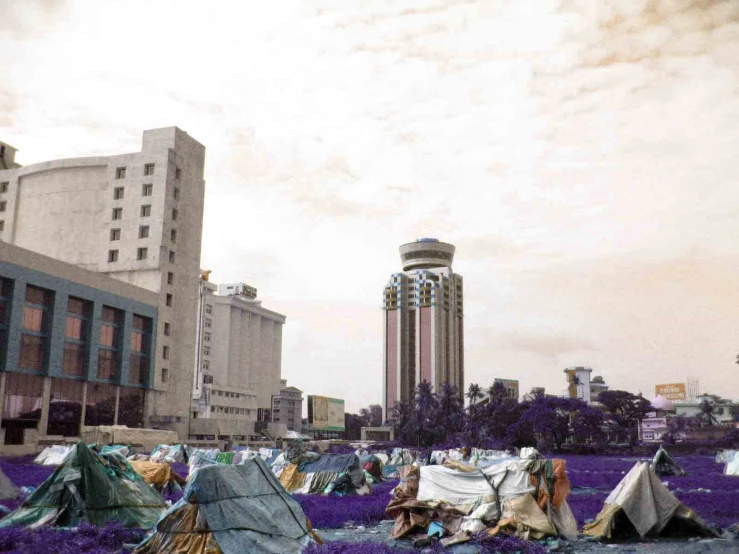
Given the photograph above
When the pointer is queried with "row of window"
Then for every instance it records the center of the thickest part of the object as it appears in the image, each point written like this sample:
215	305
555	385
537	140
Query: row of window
142	253
227	410
79	344
146	190
120	172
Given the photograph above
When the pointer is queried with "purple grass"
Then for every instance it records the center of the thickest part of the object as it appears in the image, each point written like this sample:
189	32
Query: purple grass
332	512
353	548
86	538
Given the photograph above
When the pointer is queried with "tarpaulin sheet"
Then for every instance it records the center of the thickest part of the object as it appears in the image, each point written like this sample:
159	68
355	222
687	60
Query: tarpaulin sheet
336	463
88	487
646	502
160	475
7	488
53	455
242	506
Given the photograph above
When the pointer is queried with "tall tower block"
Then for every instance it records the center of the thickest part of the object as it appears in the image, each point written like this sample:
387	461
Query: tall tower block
424	326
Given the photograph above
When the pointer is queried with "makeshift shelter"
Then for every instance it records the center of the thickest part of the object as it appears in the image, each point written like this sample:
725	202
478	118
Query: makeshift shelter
231	509
732	464
665	465
526	496
640	504
53	455
93	488
7	488
341	474
158	475
372	467
170	454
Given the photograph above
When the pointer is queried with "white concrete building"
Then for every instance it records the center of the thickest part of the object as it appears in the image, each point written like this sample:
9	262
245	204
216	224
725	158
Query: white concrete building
240	353
287	407
135	217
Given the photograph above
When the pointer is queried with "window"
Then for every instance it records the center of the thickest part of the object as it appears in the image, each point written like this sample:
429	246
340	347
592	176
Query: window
208	308
117	193
168	300
165	352
207	379
138	373
206	364
166	329
146	210
4	186
2	225
170	278
176	193
117	213
206	350
175	214
115	234
3	206
173	235
177	173
165	375
143	231
206	337
113	254
171	256
32	352
120	173
149	169
75	337
23	396
147	189
110	343
142	253
208	322
65	421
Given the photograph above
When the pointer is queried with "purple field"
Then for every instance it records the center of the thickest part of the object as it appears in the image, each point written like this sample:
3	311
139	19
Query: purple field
592	478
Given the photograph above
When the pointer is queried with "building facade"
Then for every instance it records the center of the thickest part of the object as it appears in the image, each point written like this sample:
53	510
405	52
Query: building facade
424	325
76	348
240	363
287	407
137	218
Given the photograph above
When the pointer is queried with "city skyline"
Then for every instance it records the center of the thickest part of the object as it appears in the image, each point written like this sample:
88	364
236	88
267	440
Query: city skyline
588	190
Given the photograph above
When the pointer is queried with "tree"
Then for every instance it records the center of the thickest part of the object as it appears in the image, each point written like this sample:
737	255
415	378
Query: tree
497	392
473	393
708	410
400	419
625	410
372	415
426	415
451	408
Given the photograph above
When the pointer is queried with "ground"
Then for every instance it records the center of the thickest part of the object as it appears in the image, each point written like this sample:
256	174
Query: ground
705	489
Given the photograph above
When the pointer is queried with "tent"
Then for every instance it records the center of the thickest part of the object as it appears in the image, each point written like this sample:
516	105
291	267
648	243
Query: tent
53	455
373	468
325	473
93	488
170	454
158	475
732	464
7	488
526	496
640	503
665	465
230	509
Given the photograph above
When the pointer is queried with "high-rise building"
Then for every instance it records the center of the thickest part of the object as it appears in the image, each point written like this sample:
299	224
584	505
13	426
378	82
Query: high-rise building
424	326
287	407
135	217
240	364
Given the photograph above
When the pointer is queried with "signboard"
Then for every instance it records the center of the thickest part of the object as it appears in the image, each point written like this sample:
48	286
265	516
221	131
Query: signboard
326	414
673	391
511	386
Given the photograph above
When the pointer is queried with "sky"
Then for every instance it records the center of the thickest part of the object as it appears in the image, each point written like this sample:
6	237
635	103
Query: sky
582	156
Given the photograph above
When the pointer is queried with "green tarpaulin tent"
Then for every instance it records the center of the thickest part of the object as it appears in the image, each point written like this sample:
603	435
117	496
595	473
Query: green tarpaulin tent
93	488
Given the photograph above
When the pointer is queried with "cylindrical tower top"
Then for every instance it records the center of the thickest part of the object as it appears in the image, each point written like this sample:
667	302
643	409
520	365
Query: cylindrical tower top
425	254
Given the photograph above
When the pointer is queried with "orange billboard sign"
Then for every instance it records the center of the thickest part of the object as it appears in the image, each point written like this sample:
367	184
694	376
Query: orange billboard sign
672	391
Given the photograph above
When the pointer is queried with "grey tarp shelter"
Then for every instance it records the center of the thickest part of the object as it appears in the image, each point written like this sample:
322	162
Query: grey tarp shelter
231	509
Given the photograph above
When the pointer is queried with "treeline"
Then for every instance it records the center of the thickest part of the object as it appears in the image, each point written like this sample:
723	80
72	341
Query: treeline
493	420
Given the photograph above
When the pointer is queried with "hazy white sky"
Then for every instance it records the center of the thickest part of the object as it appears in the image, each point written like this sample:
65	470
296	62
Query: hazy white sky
583	157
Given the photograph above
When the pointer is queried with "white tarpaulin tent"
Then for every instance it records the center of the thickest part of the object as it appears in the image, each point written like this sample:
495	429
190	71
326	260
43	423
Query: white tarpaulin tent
647	504
53	455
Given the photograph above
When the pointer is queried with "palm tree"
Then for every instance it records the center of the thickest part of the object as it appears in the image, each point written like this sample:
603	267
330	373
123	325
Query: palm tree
473	393
707	412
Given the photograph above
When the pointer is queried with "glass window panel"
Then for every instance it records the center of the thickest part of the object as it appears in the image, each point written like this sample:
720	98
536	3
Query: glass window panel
33	318
107	364
131	407
32	352
74	359
107	335
100	404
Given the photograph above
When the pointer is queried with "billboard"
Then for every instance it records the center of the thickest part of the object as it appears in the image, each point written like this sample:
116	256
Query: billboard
672	391
511	386
325	414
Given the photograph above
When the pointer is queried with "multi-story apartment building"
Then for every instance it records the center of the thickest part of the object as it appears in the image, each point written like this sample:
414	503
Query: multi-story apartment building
287	407
424	326
240	355
76	348
135	217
